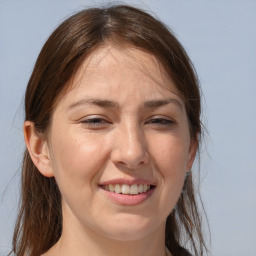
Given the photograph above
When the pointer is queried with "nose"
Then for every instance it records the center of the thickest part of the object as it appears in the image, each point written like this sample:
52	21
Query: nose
130	147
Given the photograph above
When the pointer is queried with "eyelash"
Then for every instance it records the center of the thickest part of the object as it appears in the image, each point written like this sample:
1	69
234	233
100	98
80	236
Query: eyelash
98	122
161	121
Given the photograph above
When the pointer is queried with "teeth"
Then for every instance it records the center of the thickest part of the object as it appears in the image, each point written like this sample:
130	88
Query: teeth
111	188
134	189
118	189
126	189
141	188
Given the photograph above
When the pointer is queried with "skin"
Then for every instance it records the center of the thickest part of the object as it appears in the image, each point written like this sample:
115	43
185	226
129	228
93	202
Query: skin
89	144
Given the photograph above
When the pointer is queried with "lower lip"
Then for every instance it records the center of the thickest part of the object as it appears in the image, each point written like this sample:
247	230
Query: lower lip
128	199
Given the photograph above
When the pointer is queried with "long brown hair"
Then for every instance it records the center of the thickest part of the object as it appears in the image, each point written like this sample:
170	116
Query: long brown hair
39	223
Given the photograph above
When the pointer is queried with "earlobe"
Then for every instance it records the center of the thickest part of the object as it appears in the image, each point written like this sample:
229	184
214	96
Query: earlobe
38	149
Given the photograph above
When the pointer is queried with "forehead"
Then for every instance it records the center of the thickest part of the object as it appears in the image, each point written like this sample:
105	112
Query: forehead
121	72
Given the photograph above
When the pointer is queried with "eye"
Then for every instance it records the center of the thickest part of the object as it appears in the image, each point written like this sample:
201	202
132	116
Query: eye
95	122
160	122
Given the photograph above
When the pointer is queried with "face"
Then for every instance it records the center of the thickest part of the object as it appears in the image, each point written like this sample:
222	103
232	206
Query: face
120	146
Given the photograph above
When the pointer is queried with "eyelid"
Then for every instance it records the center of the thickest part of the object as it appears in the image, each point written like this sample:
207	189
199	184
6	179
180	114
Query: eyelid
170	121
97	121
161	117
90	117
91	121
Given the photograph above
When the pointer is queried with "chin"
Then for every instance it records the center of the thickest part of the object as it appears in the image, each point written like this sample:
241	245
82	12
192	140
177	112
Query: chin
131	228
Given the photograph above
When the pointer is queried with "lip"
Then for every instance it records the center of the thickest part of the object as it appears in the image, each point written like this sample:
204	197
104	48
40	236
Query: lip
124	199
127	181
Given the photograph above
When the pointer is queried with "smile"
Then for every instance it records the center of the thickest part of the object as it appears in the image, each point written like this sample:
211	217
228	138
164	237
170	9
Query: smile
126	189
124	194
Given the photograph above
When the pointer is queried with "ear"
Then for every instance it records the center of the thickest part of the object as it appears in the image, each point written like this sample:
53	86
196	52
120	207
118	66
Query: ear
192	153
38	149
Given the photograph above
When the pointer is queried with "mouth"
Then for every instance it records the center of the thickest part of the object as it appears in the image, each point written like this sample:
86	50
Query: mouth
128	192
126	189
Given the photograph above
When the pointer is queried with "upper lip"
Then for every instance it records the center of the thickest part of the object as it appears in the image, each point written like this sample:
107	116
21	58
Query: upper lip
127	181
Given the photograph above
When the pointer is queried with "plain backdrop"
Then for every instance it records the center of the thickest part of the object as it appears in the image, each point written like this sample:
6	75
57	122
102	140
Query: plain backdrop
220	37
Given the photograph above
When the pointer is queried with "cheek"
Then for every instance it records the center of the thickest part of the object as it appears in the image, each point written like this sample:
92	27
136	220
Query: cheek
76	159
170	157
170	153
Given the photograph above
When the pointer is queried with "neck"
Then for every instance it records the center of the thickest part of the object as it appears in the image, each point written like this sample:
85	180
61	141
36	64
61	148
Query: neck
85	242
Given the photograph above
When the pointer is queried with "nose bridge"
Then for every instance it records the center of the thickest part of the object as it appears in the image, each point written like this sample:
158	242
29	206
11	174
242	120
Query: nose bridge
131	148
134	138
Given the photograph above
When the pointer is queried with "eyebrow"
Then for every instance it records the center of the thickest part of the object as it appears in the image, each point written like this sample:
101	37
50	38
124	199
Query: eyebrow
98	102
159	103
113	104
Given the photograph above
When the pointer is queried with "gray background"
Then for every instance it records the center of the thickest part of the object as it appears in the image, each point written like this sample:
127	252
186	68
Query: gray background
220	37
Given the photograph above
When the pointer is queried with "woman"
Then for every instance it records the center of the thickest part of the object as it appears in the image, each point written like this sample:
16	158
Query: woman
112	128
